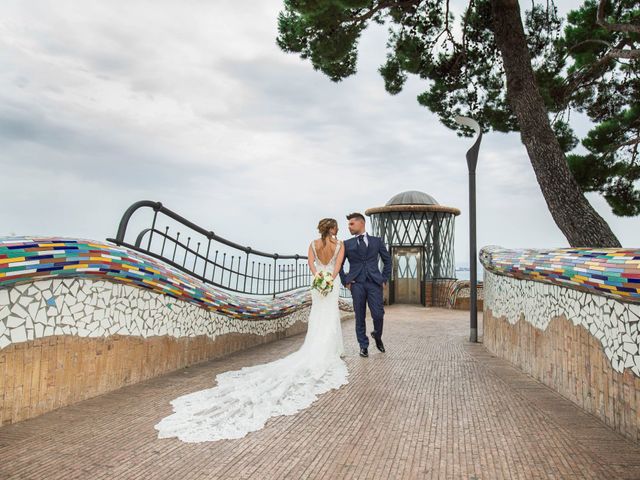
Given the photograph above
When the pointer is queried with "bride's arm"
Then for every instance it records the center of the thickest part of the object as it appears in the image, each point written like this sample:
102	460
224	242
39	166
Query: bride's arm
311	260
339	261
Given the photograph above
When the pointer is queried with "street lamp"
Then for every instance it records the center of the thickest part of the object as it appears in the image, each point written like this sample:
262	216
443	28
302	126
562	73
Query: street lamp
472	161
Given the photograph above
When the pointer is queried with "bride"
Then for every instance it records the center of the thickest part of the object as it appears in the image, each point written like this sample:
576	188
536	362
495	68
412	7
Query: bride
243	400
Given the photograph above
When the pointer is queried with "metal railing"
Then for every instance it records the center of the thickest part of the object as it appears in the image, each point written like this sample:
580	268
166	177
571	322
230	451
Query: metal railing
211	258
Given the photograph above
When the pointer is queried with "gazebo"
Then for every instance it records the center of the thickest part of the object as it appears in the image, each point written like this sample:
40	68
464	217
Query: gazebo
419	234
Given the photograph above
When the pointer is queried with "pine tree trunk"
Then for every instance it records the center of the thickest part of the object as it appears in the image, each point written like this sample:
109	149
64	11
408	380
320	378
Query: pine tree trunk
574	215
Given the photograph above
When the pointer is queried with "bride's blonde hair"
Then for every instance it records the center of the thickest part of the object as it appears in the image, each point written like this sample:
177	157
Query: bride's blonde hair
324	227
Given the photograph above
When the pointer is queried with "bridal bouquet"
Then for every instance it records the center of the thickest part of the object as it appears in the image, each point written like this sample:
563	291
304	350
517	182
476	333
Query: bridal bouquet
323	282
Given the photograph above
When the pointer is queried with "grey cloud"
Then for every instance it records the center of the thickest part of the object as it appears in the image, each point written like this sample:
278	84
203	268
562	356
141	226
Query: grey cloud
19	123
265	143
34	139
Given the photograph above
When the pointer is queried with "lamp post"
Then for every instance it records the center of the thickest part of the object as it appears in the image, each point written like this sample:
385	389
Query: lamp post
472	161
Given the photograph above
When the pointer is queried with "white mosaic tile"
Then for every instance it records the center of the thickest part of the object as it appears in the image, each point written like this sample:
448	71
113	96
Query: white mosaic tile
13	322
18	334
4	297
18	310
14	295
612	322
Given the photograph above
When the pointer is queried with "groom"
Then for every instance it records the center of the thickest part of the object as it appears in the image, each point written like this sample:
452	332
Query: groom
365	280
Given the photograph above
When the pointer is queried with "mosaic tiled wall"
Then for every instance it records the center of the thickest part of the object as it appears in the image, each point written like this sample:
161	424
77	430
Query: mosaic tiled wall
612	272
79	318
612	322
598	289
56	286
98	308
24	260
570	318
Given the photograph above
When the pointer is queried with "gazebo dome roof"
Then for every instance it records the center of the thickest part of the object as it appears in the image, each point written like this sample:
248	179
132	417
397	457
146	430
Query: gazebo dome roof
412	197
412	201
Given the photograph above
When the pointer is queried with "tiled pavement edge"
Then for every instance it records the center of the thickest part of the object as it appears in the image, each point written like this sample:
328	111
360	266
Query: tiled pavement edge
433	406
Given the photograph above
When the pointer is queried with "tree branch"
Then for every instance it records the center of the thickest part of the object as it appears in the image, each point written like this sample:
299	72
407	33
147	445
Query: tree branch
614	27
633	141
599	67
381	6
615	52
465	22
590	40
619	53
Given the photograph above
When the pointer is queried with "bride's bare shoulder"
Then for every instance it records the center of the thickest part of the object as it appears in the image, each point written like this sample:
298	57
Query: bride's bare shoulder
333	241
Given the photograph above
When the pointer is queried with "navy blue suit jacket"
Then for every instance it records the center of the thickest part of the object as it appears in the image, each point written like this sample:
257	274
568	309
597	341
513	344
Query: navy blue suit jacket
368	263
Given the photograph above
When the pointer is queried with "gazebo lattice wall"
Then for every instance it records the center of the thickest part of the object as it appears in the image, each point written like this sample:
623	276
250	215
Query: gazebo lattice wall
420	236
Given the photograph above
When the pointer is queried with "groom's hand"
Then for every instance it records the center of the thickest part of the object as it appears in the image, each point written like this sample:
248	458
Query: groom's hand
349	286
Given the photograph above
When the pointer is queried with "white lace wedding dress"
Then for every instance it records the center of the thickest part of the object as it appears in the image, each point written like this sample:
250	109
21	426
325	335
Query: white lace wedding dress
245	399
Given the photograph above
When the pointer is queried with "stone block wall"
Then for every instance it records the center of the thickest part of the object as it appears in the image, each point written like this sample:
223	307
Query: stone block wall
571	361
41	375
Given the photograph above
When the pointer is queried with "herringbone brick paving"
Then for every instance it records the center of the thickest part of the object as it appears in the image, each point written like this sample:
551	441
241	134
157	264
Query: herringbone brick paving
433	406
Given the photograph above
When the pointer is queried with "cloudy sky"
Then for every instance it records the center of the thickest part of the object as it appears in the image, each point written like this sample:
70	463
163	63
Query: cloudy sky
192	103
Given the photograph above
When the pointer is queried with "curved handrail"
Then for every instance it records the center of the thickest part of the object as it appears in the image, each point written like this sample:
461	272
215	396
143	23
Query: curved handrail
124	221
242	269
158	207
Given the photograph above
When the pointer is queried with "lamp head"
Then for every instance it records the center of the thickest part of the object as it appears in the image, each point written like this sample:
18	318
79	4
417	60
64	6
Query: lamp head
472	154
468	122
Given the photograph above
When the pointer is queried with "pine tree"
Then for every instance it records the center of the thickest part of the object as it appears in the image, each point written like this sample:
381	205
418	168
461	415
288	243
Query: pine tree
466	73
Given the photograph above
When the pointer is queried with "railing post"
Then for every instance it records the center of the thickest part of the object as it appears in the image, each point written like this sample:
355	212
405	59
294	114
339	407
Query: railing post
275	273
186	251
153	225
175	247
164	239
195	260
206	261
224	263
246	269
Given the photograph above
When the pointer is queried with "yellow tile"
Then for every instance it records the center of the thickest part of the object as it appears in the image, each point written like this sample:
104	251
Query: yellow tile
12	260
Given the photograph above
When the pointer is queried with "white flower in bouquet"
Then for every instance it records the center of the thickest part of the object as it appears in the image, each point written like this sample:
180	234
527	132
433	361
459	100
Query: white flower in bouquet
323	282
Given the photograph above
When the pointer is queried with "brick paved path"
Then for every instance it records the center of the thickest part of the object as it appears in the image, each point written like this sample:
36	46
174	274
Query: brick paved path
434	406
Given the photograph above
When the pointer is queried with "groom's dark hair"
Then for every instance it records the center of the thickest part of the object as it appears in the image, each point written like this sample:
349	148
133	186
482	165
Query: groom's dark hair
356	215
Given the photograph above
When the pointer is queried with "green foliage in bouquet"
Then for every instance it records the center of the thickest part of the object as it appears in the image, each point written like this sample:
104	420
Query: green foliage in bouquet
323	283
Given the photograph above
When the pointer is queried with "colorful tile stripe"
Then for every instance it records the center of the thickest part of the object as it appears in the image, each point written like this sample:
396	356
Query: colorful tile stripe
28	259
612	272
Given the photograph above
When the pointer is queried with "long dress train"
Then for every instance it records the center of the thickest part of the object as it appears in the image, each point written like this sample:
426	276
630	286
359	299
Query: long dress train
243	400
